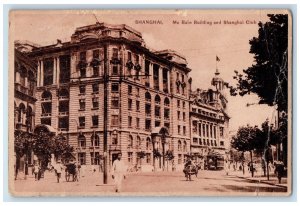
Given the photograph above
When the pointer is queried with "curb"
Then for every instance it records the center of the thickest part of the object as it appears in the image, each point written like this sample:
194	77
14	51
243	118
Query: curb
263	181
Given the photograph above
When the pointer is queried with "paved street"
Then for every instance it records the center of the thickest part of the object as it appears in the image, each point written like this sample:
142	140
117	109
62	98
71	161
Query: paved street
207	183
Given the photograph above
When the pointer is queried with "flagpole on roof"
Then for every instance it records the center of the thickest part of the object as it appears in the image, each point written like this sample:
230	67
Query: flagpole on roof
217	60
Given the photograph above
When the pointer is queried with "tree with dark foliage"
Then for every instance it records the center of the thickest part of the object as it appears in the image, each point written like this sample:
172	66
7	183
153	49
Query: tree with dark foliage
269	75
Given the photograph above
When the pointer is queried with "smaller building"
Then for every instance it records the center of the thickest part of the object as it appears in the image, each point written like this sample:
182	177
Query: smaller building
24	101
209	123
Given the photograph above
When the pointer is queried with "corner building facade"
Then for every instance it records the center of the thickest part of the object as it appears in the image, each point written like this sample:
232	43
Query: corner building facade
148	97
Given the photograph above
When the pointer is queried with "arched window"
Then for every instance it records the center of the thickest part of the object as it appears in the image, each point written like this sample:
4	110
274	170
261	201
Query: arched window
184	146
47	95
21	113
167	102
130	141
95	140
138	141
179	145
63	93
148	143
157	99
81	141
148	97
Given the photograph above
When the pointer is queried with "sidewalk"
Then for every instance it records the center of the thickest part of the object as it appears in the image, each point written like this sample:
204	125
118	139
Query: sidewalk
259	178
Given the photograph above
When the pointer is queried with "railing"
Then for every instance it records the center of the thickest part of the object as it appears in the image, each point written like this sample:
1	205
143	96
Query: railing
46	114
63	113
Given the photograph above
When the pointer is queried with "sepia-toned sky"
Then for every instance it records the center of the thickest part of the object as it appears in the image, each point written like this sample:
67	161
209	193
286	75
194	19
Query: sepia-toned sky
199	43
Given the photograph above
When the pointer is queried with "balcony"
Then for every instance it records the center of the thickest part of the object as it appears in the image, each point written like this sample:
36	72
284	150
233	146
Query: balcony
21	88
63	113
46	114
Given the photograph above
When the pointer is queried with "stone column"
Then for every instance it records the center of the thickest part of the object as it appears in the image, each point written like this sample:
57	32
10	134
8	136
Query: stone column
151	74
54	71
57	71
169	81
38	73
42	73
160	78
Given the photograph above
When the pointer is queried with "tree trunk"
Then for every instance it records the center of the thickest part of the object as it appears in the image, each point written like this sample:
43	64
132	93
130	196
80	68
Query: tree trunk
251	164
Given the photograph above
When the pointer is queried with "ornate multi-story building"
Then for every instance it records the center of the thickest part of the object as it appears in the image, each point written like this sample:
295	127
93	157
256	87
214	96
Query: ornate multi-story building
25	72
148	96
209	120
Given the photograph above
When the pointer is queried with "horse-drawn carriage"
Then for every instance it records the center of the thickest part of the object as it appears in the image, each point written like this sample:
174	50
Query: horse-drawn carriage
71	170
189	170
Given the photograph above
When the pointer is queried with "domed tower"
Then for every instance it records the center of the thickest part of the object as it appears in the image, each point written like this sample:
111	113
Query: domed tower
218	82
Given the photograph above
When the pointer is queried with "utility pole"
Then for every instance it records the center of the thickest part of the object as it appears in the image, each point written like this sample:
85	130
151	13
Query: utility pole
105	118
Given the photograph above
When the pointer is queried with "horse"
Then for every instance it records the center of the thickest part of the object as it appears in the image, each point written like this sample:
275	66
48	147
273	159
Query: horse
190	170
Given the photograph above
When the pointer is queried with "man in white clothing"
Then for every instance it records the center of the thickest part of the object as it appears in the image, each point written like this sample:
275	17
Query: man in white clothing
118	172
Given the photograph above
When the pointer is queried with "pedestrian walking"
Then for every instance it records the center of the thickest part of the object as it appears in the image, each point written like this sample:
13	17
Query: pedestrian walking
118	172
227	167
58	170
26	170
36	170
279	170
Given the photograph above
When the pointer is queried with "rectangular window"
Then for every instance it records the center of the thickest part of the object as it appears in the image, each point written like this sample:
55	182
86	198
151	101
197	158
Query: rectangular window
95	103
215	135
207	132
95	88
115	70
81	158
221	143
200	130
167	114
95	158
137	92
83	56
183	116
157	111
167	125
178	128
195	140
46	108
178	115
129	104
130	157
184	130
63	123
157	123
203	129
82	122
115	53
82	104
183	105
114	88
137	122
148	124
115	120
95	121
148	109
148	158
129	121
129	56
137	103
129	89
48	71
82	89
221	131
114	139
137	59
96	54
115	102
64	66
178	103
